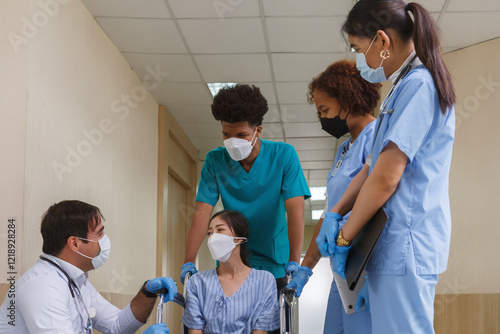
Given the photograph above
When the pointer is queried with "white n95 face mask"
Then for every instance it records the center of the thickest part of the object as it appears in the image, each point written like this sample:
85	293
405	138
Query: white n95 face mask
221	246
105	249
239	149
368	73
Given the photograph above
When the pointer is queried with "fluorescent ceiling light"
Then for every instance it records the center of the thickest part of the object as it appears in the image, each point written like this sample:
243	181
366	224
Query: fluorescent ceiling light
318	193
216	86
316	214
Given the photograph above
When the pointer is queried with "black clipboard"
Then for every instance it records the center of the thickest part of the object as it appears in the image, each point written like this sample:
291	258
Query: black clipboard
362	247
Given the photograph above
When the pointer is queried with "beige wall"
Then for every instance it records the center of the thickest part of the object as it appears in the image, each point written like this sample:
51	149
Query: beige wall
474	183
13	92
67	83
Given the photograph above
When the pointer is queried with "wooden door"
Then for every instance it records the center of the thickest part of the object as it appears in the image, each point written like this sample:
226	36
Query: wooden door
177	175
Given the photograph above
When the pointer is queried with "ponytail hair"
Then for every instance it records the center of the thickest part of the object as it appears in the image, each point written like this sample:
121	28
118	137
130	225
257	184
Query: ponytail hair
239	226
369	16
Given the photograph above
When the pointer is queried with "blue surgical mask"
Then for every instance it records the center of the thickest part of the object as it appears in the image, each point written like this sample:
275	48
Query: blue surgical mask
368	73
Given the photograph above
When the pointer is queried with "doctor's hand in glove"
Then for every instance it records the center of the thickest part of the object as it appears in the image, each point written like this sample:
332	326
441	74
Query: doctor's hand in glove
160	328
159	283
299	279
328	233
188	267
339	259
363	298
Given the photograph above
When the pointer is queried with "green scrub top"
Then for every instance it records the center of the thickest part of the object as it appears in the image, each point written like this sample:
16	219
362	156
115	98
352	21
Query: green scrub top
259	195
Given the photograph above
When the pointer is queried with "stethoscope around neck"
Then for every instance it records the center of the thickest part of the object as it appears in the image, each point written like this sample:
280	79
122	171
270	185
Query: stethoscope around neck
383	110
75	292
383	107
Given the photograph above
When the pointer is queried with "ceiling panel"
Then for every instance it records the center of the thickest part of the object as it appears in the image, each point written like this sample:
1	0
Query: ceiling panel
319	174
478	27
143	35
321	182
317	155
231	35
267	90
272	131
298	113
181	92
432	5
214	9
323	143
272	115
306	8
302	66
309	34
179	67
450	49
234	68
127	8
318	205
295	130
476	5
188	112
315	164
292	92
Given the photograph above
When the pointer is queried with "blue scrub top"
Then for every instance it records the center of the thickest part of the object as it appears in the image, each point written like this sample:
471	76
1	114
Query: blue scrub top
348	162
259	195
419	210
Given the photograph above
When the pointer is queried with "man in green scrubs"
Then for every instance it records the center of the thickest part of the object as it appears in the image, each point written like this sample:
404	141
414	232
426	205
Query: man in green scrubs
259	178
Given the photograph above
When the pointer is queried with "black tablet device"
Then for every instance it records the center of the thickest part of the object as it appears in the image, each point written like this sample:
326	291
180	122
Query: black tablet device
362	247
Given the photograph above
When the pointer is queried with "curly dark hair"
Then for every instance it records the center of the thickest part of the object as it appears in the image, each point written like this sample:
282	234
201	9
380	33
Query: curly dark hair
240	103
342	81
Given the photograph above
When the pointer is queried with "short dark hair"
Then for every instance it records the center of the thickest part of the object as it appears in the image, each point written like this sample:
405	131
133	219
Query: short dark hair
66	219
240	103
342	81
239	225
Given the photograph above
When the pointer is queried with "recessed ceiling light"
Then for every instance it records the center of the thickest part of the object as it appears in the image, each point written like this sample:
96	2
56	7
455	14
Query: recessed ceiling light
216	86
318	193
316	214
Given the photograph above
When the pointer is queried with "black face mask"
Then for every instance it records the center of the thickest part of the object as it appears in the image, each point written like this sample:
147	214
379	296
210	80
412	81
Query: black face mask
335	126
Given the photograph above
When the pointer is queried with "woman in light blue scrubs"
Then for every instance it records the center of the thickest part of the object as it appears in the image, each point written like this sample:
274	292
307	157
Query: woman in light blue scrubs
407	173
344	102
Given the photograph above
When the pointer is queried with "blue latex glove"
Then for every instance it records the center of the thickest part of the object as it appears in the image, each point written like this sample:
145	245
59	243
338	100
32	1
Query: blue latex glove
291	267
188	267
160	328
363	297
159	283
328	233
339	260
300	279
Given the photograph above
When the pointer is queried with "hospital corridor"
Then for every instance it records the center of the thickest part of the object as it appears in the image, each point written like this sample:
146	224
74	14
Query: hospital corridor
260	166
